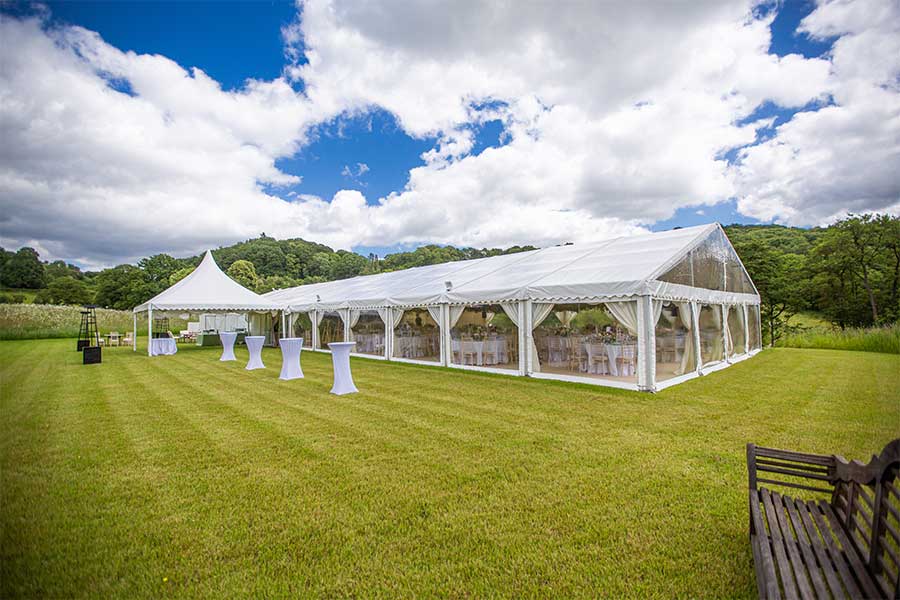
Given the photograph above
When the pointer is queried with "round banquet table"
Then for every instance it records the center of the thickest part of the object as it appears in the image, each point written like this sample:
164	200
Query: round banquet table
340	358
290	358
228	338
254	345
160	346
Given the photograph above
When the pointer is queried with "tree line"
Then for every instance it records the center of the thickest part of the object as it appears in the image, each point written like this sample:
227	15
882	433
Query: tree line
261	264
848	273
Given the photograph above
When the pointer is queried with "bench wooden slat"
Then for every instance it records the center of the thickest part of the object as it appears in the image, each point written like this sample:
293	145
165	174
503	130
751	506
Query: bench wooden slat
792	472
793	485
790	543
762	552
837	556
817	459
791	465
828	568
805	545
859	569
778	547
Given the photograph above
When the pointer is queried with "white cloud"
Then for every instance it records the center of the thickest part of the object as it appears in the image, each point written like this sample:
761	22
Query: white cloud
613	120
842	158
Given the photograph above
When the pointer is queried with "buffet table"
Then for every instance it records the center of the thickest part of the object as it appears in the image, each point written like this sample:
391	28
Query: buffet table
163	346
214	339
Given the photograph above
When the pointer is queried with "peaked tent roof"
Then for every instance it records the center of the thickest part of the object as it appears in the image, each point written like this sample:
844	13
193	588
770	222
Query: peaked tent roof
208	288
618	267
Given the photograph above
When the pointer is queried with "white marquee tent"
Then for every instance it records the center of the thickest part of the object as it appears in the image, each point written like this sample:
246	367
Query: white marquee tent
640	312
207	289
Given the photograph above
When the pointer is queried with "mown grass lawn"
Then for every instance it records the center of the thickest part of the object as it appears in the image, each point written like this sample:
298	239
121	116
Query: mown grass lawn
184	476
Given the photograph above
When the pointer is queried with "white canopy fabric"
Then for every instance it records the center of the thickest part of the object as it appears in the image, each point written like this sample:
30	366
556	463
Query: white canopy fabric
207	288
616	269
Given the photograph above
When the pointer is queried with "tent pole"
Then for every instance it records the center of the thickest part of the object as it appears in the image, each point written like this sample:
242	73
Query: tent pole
695	316
444	331
149	328
646	344
134	333
520	308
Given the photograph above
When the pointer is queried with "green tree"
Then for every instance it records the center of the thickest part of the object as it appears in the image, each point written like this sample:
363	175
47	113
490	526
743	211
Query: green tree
159	267
68	290
23	270
346	264
244	273
122	287
862	240
59	268
779	280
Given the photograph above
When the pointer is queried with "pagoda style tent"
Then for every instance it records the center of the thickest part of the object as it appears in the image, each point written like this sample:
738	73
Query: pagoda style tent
639	312
207	289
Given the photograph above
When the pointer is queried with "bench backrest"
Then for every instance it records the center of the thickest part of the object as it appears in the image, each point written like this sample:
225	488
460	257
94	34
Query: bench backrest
866	497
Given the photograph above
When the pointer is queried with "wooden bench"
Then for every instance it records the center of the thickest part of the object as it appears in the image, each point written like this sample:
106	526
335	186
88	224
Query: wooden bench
842	540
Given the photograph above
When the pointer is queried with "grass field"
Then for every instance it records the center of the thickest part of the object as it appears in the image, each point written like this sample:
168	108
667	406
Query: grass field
38	321
872	339
183	476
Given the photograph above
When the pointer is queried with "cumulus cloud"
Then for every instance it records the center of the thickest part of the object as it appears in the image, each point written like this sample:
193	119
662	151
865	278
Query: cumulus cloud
612	121
844	157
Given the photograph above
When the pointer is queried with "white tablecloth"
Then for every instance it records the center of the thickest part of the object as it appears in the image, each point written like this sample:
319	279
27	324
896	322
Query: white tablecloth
485	352
160	346
290	358
615	351
254	345
340	358
370	343
227	338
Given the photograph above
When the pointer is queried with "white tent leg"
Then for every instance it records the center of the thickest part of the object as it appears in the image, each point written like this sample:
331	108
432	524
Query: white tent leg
149	329
444	332
695	315
520	339
134	333
646	344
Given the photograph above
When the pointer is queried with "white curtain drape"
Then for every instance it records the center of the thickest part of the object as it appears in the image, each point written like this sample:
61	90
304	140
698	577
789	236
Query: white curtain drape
512	311
657	311
455	313
539	312
565	316
729	343
353	320
626	314
435	312
687	320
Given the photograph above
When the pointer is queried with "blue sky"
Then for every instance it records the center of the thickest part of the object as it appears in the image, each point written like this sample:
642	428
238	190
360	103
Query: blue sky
234	41
646	118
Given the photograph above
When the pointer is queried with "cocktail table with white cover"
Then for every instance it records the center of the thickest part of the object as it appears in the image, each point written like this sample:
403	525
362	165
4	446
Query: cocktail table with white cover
163	346
228	338
340	358
254	345
290	358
